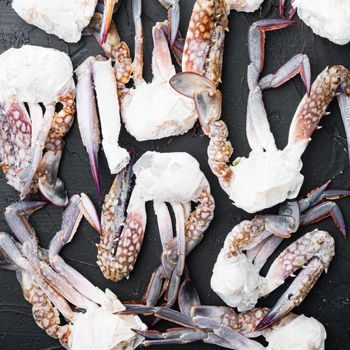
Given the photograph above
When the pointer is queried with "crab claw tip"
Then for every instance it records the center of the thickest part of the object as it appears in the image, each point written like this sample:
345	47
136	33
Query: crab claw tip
90	213
276	313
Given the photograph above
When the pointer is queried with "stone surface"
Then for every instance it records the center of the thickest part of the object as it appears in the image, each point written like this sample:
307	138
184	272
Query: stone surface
325	158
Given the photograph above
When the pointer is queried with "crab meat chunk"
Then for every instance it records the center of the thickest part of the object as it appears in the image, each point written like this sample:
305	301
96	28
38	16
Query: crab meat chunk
64	18
303	333
265	179
244	5
329	19
168	177
155	110
35	74
101	329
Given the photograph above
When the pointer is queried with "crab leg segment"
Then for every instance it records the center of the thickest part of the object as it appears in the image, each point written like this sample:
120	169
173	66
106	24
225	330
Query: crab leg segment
107	19
138	59
37	149
87	118
312	108
205	39
70	222
316	249
256	38
108	106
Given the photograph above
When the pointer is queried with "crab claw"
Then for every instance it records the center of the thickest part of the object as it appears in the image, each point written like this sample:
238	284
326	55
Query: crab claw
107	19
89	211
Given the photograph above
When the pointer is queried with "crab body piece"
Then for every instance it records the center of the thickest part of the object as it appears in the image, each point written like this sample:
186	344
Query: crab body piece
26	74
53	287
224	327
316	15
173	178
154	110
66	19
268	176
248	246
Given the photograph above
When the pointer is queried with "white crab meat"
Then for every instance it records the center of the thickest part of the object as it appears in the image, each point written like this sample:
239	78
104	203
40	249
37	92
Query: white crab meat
303	333
35	74
329	19
108	106
168	177
100	329
244	5
64	18
235	281
155	110
275	175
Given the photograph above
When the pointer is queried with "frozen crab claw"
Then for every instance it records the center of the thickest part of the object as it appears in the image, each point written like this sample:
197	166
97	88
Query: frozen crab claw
37	106
223	327
173	178
54	288
66	18
261	236
268	176
328	20
93	75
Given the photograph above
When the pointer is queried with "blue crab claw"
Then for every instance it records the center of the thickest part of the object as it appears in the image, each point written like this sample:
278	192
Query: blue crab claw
89	211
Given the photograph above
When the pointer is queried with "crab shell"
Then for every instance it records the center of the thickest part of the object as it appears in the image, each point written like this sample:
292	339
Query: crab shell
328	19
265	179
101	329
168	177
35	74
64	18
302	333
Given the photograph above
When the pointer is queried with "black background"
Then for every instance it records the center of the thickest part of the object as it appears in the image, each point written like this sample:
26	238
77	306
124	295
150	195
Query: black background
325	158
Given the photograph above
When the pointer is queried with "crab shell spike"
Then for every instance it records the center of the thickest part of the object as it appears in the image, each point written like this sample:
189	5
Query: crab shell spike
89	211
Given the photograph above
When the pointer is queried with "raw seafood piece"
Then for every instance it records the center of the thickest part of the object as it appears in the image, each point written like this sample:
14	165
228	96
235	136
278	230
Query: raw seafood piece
41	78
64	18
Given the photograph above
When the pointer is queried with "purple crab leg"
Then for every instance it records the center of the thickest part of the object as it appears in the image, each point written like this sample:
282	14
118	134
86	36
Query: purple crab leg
188	297
10	249
159	311
173	8
312	197
70	222
174	282
15	218
295	294
28	173
256	38
87	118
322	211
89	211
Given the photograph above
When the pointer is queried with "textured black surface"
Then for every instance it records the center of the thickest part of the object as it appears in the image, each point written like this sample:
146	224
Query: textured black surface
326	158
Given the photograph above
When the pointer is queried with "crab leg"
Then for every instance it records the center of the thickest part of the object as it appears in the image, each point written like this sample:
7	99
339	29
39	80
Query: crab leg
37	149
138	59
316	249
10	249
108	106
36	116
87	118
107	19
313	106
344	105
173	8
295	294
49	185
258	128
70	222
